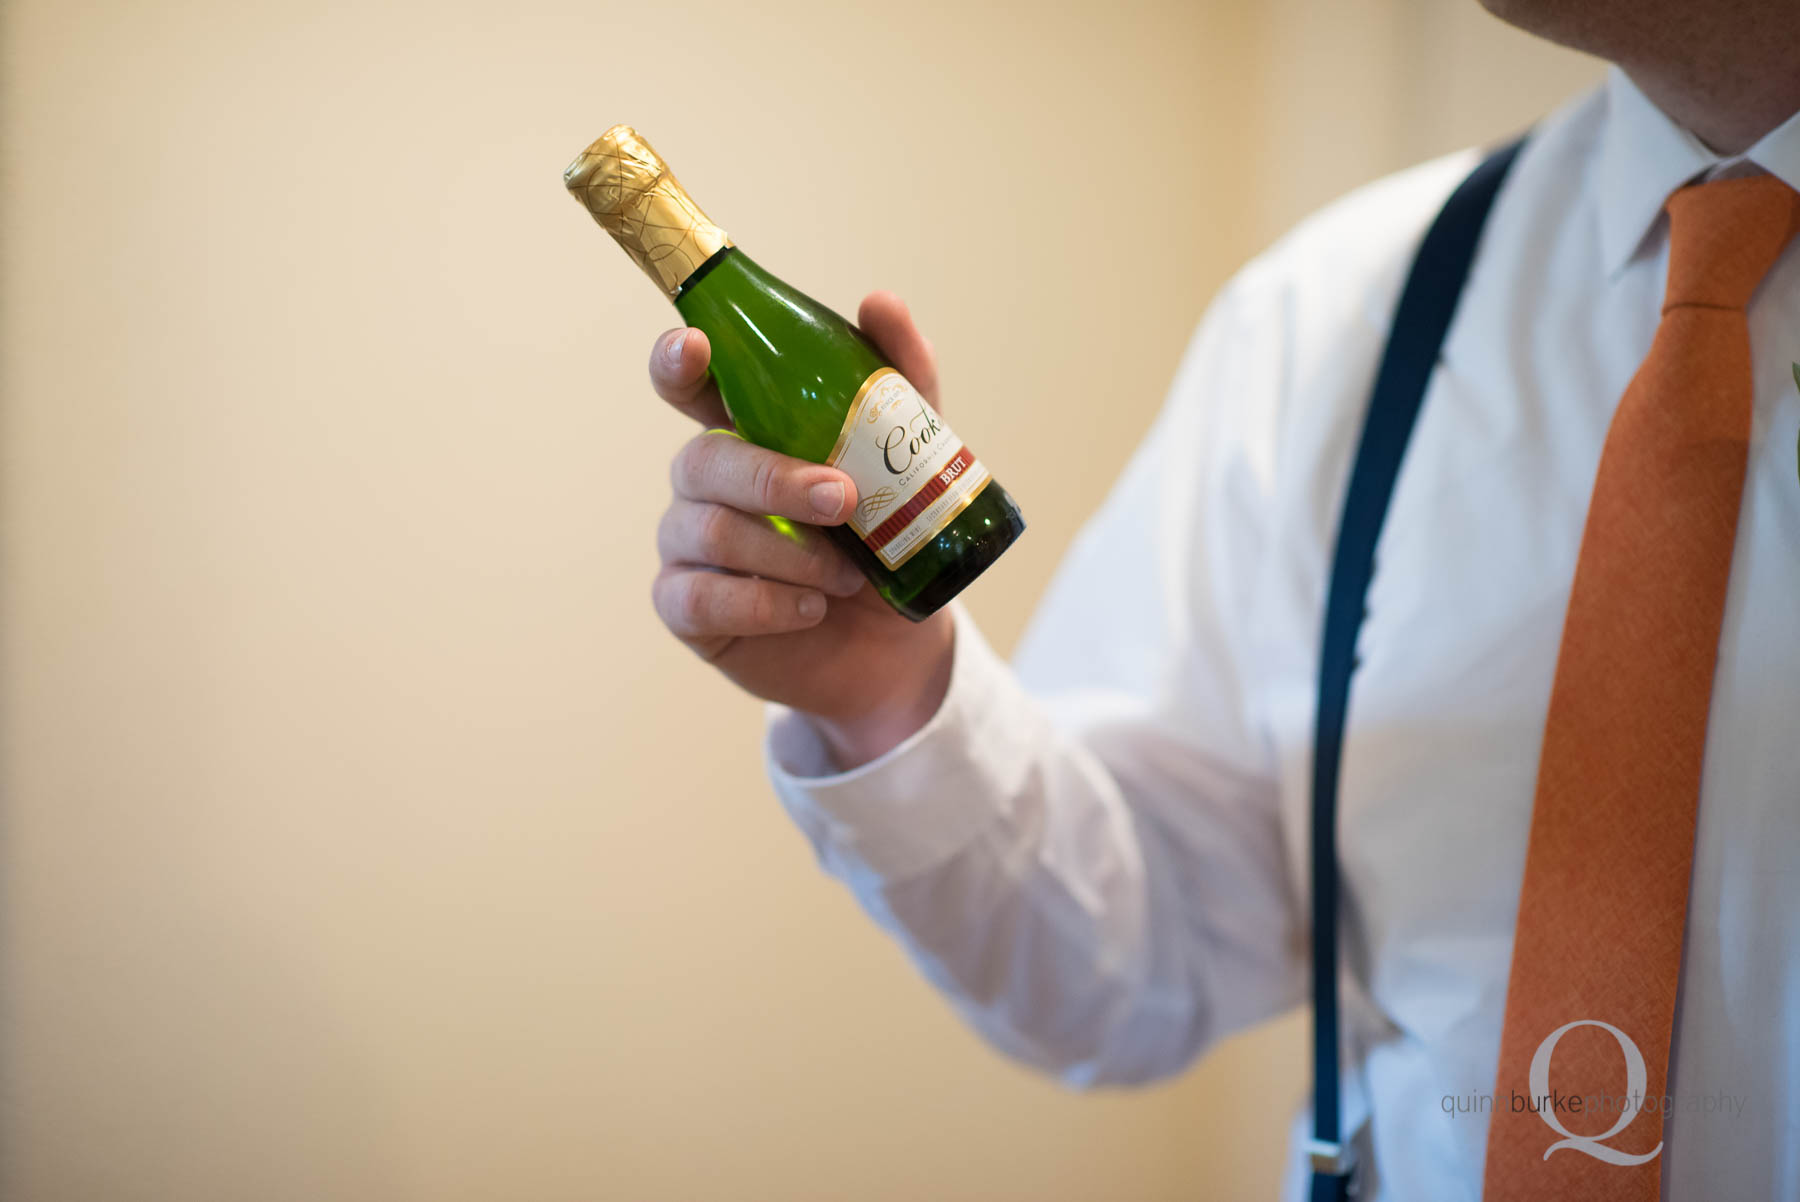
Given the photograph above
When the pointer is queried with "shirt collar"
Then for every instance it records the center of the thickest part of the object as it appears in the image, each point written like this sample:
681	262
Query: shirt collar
1644	156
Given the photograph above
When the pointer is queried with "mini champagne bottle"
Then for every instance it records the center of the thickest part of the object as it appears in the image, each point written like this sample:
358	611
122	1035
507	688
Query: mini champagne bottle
799	379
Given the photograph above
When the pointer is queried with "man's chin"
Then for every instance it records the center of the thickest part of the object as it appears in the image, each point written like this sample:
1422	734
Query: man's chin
1598	27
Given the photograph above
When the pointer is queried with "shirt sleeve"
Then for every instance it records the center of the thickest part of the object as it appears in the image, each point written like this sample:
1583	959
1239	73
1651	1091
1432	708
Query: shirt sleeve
1083	852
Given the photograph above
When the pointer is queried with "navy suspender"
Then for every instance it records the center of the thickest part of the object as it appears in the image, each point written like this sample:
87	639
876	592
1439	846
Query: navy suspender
1423	317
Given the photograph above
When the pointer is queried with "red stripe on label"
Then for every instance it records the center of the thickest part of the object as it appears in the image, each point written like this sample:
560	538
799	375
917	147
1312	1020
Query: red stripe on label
933	488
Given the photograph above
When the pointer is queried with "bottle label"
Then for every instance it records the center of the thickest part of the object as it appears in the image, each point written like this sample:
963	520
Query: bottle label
913	475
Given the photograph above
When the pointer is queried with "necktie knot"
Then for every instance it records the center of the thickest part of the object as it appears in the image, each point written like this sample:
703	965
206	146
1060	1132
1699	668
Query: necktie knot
1723	238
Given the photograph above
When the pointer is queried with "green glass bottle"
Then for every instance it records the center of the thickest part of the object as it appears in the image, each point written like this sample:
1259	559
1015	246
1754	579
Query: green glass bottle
799	379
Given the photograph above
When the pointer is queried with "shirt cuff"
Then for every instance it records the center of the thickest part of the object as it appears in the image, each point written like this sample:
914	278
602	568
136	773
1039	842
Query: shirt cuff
914	807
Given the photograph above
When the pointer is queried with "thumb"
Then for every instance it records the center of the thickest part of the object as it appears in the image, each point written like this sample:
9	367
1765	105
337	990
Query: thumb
888	323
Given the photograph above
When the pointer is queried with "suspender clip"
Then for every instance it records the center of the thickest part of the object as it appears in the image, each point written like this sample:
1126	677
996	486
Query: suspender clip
1334	1160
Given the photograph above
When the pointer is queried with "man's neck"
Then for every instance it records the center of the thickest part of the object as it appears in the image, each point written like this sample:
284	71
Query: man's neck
1726	109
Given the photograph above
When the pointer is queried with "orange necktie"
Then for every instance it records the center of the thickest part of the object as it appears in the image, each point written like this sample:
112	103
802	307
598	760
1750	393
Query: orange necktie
1597	955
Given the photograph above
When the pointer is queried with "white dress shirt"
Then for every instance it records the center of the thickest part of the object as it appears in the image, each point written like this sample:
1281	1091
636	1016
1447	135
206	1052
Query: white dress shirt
1100	856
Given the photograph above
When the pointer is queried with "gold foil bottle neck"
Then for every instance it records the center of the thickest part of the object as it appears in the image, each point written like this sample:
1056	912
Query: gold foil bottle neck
636	198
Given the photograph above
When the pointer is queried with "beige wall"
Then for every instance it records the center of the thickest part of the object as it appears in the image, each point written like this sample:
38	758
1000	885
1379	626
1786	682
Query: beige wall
362	838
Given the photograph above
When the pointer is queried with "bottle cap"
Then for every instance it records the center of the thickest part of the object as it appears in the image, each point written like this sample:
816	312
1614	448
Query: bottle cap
636	198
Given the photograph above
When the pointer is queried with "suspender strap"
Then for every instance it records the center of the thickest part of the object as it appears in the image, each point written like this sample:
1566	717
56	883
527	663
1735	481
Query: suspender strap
1426	306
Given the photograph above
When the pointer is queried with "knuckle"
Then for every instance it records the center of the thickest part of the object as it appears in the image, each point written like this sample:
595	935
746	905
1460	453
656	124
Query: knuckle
712	533
659	594
668	533
760	608
661	591
691	605
765	483
676	598
692	466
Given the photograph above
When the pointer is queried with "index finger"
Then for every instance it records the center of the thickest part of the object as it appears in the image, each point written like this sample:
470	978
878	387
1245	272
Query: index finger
678	373
888	323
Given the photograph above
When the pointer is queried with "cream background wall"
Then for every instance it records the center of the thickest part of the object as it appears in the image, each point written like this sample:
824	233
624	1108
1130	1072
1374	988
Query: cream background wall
362	837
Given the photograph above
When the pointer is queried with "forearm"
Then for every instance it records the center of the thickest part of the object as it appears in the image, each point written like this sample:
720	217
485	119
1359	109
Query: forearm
1037	887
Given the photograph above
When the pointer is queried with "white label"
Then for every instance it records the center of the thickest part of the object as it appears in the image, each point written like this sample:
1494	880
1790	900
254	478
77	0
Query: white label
913	475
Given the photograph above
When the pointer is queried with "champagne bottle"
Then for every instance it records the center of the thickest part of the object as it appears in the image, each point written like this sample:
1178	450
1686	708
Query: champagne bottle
799	379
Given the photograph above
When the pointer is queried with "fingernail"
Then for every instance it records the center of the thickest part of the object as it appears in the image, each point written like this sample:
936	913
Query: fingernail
812	606
673	350
827	498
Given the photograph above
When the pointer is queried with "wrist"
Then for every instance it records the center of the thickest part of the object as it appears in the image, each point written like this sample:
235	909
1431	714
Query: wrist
853	740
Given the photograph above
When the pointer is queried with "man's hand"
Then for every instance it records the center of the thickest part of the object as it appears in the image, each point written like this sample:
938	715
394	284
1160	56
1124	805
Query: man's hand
774	605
